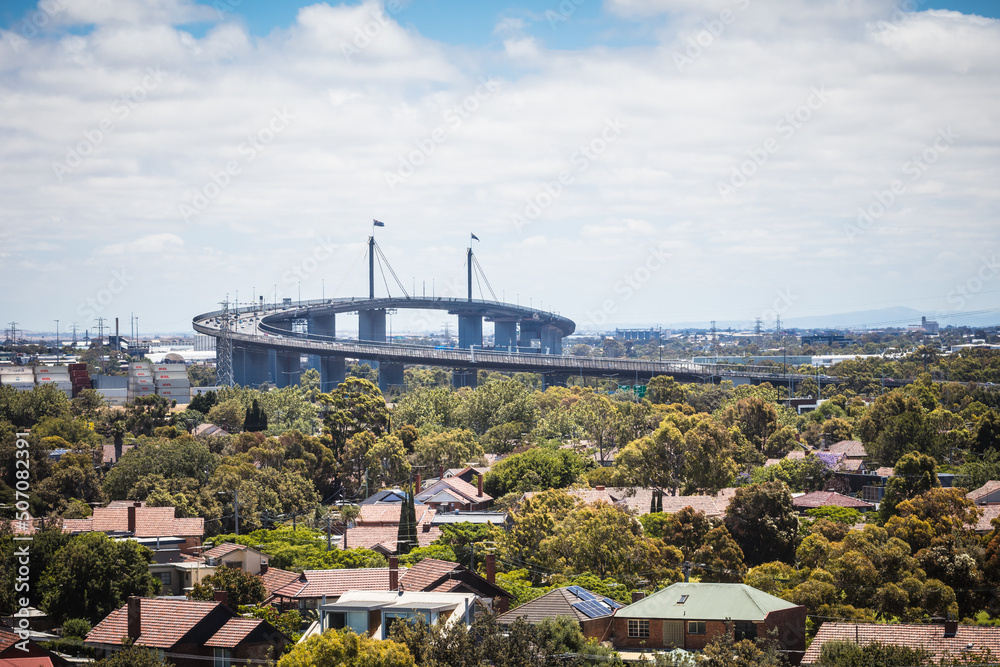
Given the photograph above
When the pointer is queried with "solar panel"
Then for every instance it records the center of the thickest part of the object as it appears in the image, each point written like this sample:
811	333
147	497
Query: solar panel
611	603
583	593
592	608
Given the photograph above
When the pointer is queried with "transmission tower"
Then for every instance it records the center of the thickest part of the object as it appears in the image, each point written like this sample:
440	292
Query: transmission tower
224	349
756	327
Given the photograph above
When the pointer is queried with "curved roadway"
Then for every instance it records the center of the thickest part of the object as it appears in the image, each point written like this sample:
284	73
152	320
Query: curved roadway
260	330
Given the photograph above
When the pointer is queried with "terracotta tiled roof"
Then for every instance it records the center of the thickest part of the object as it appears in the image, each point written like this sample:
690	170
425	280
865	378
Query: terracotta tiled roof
233	632
164	622
795	454
852	448
108	453
823	498
459	486
379	524
884	471
929	637
221	550
276	578
985	525
424	575
149	522
334	583
986	489
7	639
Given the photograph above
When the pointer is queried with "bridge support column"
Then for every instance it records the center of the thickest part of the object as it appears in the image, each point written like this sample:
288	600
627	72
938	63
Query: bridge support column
390	377
332	371
505	335
530	331
289	369
323	324
470	331
371	326
465	377
551	340
250	366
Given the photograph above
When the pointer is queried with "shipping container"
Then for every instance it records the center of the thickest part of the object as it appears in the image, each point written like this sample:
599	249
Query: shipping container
16	370
52	370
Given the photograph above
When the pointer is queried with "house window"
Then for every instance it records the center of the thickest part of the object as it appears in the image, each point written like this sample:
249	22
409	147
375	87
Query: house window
696	627
165	578
223	657
745	630
684	598
638	629
391	618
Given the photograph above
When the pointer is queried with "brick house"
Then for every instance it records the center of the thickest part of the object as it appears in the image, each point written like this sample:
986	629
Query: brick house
16	652
690	615
188	632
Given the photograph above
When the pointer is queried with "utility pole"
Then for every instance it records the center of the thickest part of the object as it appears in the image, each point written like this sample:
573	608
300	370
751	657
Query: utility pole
236	509
57	341
74	335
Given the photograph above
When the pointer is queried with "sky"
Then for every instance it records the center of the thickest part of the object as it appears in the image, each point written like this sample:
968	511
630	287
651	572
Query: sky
623	162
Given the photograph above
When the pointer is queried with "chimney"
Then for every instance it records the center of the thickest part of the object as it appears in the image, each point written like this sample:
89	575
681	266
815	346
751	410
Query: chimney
950	628
263	567
503	604
440	472
134	617
416	487
393	573
638	595
598	488
222	596
479	484
131	519
491	568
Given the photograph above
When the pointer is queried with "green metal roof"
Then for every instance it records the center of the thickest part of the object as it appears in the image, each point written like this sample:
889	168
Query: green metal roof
706	602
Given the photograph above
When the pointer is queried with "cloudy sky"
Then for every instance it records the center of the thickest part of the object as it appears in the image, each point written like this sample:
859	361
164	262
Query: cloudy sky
622	161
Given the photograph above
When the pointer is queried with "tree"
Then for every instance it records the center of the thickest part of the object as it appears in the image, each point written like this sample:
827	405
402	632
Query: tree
428	406
988	433
204	403
663	389
724	651
255	419
756	419
94	575
534	470
386	462
343	648
355	406
242	588
447	449
708	460
656	460
685	529
720	558
762	520
912	475
498	402
145	413
180	458
227	415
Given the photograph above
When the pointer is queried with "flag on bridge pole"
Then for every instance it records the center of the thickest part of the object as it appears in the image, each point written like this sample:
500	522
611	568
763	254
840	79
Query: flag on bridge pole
376	223
474	237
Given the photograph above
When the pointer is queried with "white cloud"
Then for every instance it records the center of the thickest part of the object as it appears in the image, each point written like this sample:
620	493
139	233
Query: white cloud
478	157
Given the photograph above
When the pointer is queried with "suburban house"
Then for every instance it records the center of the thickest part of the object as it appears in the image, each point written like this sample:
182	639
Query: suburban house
816	499
17	652
690	615
373	613
189	633
236	556
987	494
314	588
943	641
467	474
453	494
377	527
853	451
136	520
593	612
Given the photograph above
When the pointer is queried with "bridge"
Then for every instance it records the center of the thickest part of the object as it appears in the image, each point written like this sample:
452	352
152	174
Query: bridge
262	343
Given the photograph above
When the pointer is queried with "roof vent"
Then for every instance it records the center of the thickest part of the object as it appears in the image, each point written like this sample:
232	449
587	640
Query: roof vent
684	598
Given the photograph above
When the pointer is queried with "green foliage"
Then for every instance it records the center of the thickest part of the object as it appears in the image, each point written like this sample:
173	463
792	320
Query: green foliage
133	655
762	520
845	515
537	469
875	654
24	409
343	648
242	588
461	538
93	575
289	622
355	406
498	402
424	406
446	449
913	474
76	627
182	457
203	403
800	475
302	549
